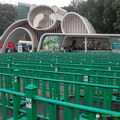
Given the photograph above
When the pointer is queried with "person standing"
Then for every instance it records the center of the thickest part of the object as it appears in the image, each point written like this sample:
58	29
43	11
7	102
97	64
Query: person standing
62	49
35	50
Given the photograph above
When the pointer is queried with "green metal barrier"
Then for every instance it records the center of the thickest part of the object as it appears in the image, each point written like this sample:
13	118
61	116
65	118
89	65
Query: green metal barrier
79	65
61	90
58	89
70	69
86	77
102	59
71	111
72	76
95	57
92	85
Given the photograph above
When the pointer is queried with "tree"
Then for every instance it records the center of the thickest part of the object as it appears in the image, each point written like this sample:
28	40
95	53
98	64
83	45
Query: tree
7	16
73	6
116	6
103	14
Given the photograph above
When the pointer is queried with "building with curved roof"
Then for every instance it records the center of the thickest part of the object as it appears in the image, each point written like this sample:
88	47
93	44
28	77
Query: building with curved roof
44	19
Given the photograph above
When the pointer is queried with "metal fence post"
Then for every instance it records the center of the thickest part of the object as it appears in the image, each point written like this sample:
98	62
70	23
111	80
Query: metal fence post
86	75
9	63
109	65
31	105
84	116
16	80
16	99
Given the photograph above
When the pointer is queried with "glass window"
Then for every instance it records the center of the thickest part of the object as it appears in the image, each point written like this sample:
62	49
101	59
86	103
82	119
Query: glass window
98	44
115	42
51	42
74	43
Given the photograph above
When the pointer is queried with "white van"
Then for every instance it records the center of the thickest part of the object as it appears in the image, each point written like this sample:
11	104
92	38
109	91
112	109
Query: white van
26	46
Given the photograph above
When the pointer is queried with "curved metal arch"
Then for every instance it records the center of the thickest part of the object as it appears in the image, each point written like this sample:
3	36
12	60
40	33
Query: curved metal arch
79	20
15	36
11	28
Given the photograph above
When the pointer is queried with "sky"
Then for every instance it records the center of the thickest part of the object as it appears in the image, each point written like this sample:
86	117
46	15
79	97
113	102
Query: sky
59	3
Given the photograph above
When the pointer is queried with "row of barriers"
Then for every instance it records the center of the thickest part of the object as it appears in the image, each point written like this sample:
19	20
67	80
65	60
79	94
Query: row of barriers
73	57
52	91
85	75
70	111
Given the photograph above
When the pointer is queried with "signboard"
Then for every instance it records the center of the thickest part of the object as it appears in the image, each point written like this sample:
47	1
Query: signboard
116	45
10	44
115	42
28	103
20	48
1	46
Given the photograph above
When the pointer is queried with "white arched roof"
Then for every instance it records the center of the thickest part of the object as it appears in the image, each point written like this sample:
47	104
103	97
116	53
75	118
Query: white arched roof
75	23
15	36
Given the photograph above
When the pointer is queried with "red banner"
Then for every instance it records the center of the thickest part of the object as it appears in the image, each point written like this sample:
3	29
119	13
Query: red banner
1	46
10	44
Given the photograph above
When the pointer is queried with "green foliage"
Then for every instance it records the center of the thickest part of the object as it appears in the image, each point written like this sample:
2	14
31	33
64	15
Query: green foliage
116	24
7	16
51	42
103	14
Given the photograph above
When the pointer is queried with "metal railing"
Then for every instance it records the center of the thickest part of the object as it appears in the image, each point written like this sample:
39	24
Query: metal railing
70	111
